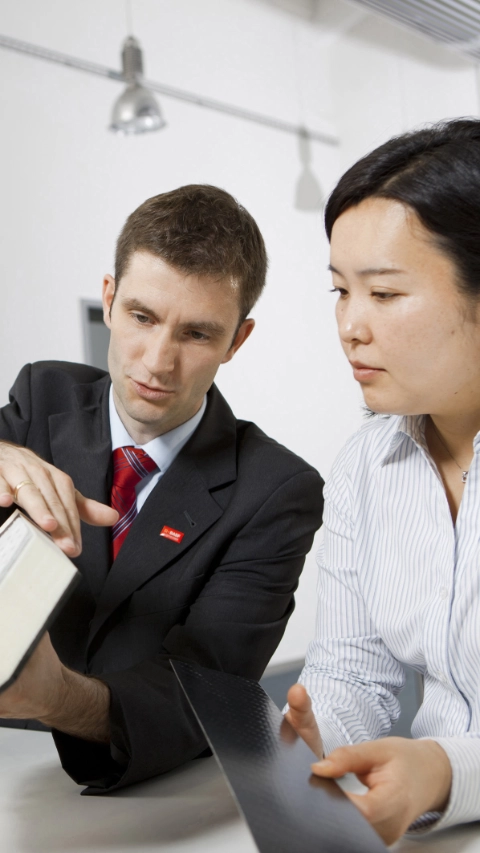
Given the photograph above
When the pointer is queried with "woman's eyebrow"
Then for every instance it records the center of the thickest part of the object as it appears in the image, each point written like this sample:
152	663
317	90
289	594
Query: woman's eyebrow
370	271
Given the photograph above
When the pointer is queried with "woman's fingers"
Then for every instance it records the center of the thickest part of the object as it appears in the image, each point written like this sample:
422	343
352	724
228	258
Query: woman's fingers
302	719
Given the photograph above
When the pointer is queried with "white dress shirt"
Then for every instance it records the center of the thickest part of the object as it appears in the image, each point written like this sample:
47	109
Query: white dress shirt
162	449
400	583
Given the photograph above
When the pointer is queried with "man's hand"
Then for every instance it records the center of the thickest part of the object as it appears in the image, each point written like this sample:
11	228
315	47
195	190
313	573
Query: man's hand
47	691
49	497
406	778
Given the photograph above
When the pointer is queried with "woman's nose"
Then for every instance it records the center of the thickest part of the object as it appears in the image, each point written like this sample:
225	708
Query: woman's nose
353	322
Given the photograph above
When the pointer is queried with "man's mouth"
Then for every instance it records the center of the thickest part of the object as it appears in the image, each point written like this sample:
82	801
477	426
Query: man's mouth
150	392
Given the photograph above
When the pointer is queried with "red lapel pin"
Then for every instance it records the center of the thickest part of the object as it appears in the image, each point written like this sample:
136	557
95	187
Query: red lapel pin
171	533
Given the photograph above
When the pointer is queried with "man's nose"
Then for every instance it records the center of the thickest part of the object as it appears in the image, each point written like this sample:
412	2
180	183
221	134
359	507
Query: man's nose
160	353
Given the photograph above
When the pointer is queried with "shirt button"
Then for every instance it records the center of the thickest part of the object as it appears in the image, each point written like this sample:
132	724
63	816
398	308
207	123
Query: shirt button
443	592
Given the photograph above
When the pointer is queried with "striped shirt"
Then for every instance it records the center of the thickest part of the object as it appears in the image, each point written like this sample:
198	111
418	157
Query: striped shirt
399	583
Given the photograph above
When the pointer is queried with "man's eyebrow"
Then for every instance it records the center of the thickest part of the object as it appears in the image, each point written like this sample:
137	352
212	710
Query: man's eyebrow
370	271
205	326
209	326
132	304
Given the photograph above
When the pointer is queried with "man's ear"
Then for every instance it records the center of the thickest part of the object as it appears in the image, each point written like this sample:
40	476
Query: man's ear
244	332
108	292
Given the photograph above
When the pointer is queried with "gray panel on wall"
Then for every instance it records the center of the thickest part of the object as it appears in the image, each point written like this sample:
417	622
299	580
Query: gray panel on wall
96	336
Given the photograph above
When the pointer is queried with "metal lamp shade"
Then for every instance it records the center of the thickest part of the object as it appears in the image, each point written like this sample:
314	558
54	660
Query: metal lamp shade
136	111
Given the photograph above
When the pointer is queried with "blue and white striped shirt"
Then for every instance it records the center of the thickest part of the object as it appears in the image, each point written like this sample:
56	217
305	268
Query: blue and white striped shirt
399	583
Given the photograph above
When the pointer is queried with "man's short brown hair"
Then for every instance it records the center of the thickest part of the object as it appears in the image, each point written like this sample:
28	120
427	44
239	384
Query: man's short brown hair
201	230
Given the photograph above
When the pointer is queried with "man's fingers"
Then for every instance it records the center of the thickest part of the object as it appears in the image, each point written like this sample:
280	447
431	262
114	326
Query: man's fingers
94	512
302	719
29	497
49	497
34	491
6	495
65	490
44	502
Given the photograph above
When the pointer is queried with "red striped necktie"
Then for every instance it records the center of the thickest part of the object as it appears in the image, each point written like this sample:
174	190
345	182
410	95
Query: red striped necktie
130	466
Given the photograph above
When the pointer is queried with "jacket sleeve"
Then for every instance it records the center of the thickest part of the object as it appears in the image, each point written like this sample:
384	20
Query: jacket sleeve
234	625
15	416
15	419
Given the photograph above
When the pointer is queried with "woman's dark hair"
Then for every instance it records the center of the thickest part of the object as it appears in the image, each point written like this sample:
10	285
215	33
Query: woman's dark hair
436	172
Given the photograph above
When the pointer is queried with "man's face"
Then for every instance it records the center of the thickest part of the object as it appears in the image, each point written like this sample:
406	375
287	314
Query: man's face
169	334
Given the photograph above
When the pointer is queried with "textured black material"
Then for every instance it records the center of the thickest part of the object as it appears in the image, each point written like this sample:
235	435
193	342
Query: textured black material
267	767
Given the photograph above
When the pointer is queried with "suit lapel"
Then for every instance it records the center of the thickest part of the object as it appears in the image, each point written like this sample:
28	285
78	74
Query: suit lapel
181	500
81	446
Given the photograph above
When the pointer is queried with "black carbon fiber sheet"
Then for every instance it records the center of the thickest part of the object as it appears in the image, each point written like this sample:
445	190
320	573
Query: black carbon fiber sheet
268	769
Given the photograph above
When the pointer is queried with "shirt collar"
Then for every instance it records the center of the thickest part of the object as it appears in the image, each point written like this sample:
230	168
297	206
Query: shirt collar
162	449
407	427
413	427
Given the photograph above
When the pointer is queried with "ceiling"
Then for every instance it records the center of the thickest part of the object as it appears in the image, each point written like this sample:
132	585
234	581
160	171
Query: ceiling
453	23
336	15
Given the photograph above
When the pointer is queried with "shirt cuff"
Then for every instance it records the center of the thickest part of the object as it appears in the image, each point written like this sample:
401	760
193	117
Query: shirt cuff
332	735
464	802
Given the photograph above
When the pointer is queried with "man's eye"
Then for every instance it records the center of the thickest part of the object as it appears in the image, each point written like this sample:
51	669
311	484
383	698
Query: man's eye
198	336
142	319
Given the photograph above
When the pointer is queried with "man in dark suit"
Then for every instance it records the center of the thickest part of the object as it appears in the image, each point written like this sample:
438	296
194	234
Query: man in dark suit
212	519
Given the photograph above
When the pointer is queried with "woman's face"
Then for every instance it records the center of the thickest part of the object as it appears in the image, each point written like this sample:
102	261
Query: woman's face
411	337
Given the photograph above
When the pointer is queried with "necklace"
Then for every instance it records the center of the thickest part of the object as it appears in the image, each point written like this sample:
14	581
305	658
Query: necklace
464	473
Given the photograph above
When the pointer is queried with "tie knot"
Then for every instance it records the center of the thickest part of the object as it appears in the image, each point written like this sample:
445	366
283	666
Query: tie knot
131	463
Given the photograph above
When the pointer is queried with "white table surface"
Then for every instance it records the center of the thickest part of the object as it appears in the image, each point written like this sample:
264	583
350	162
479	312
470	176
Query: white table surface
189	810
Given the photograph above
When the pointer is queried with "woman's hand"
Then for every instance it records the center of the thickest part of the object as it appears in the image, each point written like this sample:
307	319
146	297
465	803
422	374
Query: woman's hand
302	719
406	778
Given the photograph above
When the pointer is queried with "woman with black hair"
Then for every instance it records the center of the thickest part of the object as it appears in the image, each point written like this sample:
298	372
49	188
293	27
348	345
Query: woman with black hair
399	579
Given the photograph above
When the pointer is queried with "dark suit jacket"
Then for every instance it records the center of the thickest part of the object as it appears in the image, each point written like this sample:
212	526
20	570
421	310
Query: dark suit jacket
222	597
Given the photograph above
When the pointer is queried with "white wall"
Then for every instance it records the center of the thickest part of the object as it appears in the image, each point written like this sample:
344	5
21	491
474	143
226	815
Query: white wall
387	80
68	185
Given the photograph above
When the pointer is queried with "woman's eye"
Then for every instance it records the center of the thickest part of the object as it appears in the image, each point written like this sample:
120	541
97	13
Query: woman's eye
340	290
383	295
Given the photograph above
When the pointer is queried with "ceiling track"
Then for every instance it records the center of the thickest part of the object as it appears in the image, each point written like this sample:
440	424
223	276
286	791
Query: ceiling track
453	23
168	91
